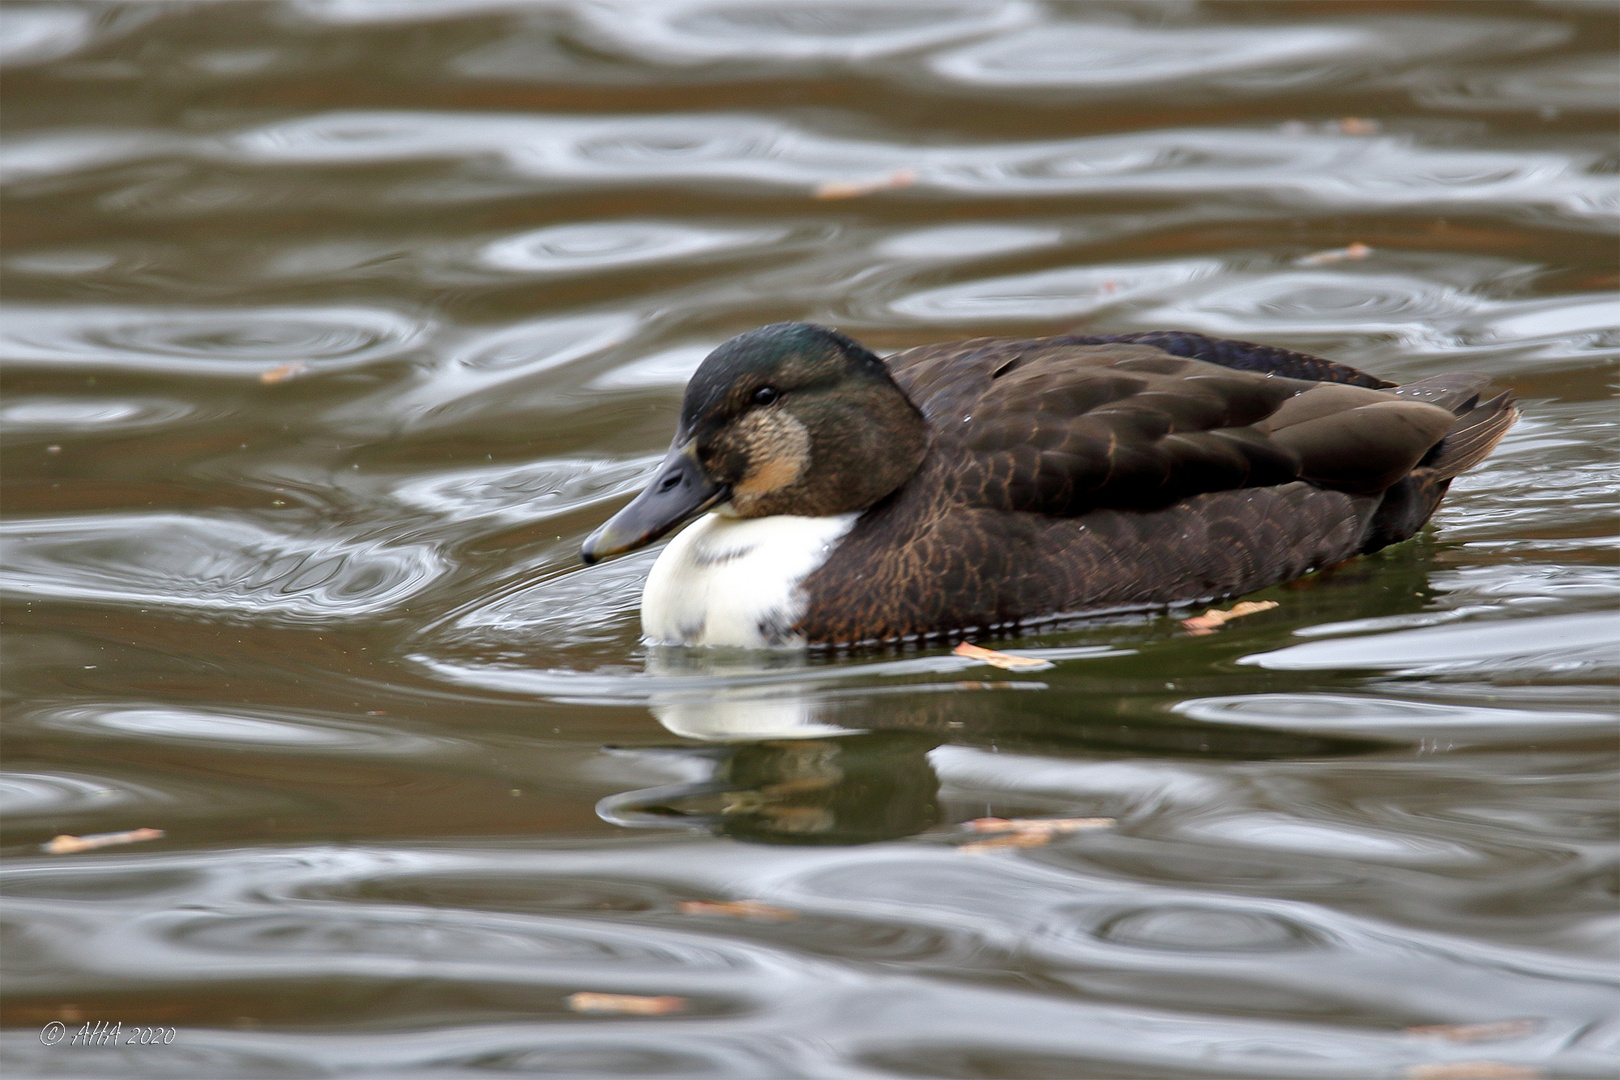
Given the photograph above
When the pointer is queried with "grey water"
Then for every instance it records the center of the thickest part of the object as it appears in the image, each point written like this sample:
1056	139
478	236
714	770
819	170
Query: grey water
330	328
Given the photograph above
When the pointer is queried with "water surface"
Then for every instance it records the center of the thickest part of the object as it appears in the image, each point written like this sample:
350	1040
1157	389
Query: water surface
330	329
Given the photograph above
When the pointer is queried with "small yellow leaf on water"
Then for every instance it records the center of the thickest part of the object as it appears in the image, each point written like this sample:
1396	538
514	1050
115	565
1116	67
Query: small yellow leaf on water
1209	620
1037	825
282	373
739	909
1025	832
72	845
630	1004
849	189
1499	1029
1001	659
1350	253
1472	1070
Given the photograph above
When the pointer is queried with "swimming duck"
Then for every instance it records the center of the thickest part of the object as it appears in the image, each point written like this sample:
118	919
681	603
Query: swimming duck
987	484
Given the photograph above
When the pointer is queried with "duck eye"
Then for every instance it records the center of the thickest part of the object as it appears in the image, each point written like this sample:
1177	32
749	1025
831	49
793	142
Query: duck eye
766	395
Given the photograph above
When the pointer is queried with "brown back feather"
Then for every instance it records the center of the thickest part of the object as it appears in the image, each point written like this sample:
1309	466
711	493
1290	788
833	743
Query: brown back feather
1065	429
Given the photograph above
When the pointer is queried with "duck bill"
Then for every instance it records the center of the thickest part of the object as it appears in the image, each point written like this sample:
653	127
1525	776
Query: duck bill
677	494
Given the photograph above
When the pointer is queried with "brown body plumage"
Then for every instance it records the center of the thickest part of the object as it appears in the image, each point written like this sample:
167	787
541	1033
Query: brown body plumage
1065	475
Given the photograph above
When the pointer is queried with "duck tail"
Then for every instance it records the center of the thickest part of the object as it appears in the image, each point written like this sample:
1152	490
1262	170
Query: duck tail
1480	425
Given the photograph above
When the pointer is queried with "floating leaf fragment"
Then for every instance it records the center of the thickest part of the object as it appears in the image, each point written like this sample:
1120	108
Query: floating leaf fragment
1001	659
1472	1070
1498	1029
1349	253
849	189
1037	825
631	1004
72	845
1209	620
739	909
282	373
1025	832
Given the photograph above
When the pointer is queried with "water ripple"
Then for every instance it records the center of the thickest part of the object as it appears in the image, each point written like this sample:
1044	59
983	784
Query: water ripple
34	793
1392	717
531	492
1125	58
705	31
1324	302
1203	929
37	33
1552	477
308	734
360	12
419	935
1102	56
1459	325
1546	642
1292	167
1588	83
609	245
589	606
950	243
199	341
1326	840
753	690
80	414
1143	960
228	568
1527	589
494	369
1049	294
544	343
665	368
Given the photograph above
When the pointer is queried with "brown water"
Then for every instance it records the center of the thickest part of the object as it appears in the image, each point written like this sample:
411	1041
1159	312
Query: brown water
332	327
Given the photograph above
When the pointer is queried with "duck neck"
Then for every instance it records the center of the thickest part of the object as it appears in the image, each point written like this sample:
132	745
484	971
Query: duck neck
874	458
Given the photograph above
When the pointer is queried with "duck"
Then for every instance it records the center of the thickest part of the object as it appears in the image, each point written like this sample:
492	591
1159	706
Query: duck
997	484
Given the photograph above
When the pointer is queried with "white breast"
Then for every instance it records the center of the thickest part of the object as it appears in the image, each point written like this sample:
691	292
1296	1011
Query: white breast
735	581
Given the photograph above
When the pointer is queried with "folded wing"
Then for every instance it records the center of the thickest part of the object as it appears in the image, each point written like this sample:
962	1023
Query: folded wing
1075	428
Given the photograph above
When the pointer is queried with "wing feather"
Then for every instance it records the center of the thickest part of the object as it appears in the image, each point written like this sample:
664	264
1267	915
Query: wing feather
1061	427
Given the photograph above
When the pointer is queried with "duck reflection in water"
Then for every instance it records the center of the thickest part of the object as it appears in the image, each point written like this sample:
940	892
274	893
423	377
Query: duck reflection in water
849	789
797	763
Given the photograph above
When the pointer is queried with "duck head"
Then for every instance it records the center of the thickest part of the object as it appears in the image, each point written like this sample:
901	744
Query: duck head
788	419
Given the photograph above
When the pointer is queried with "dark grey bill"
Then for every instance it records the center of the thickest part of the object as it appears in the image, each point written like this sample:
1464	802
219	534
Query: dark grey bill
680	492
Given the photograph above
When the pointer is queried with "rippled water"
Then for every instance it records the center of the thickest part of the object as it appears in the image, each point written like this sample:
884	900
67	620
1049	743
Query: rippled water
331	327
